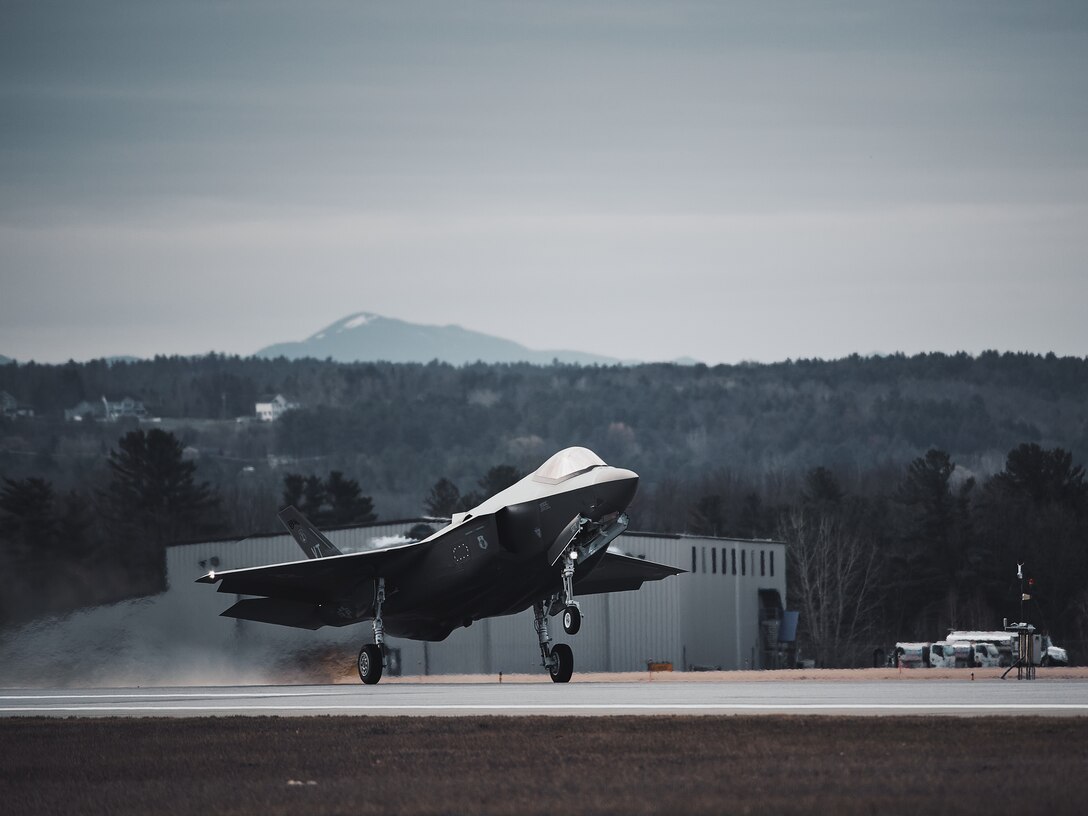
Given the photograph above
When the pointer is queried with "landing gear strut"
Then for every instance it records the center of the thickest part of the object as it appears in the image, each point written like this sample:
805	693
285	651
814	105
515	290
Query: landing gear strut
572	612
372	655
558	659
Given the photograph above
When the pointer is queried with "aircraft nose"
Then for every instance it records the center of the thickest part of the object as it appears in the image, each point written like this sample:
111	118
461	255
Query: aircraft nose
617	486
614	474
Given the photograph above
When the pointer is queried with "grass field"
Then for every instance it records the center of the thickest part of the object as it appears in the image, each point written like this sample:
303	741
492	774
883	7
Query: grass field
496	765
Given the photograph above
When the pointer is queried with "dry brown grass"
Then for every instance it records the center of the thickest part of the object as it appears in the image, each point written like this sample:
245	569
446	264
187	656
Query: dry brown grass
496	765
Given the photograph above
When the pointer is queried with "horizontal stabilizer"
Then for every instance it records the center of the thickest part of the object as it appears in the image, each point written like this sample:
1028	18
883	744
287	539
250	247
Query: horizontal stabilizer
308	537
622	573
275	610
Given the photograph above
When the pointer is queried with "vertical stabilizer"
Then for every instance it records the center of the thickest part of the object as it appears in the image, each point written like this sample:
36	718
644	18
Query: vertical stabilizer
308	537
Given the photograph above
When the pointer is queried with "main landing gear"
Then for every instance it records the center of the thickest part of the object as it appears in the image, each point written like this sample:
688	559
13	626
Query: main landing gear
372	655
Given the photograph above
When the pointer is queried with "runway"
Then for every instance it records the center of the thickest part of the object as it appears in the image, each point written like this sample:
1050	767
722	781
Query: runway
1066	698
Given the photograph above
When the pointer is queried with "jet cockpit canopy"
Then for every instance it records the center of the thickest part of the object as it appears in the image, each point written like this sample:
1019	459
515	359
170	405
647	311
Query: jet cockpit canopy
567	463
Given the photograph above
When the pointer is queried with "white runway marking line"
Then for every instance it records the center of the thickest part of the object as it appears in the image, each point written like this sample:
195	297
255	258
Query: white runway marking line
155	694
580	707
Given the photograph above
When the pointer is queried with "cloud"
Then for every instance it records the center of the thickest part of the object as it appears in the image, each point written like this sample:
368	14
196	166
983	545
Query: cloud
182	172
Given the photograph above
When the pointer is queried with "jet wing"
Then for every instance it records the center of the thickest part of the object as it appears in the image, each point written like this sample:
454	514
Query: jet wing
621	573
317	580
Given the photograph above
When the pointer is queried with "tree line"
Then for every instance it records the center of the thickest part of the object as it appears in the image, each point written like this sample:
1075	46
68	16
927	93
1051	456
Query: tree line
927	476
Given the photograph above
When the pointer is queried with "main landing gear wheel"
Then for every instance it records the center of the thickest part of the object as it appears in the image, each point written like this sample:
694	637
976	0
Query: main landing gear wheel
572	620
370	664
562	666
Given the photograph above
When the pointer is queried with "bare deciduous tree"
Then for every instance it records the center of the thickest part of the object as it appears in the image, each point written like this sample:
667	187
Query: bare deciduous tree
832	572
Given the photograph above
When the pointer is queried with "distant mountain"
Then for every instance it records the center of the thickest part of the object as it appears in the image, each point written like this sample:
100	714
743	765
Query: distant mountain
367	337
5	360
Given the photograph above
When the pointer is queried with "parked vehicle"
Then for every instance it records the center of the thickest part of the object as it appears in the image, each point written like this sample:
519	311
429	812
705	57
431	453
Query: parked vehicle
1007	646
939	655
1054	655
982	655
912	655
952	654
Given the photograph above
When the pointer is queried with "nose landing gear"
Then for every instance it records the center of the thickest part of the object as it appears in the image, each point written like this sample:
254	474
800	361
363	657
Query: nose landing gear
572	612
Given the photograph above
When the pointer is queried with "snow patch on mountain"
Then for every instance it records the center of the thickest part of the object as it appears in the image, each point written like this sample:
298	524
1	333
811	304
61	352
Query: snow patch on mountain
357	321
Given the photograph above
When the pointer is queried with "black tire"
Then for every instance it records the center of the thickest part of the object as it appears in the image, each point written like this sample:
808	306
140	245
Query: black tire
563	666
572	620
370	664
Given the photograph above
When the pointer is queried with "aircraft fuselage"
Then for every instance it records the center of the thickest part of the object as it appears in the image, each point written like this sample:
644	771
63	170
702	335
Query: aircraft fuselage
496	560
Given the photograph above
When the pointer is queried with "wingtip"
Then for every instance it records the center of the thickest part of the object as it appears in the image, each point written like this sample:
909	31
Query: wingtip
210	578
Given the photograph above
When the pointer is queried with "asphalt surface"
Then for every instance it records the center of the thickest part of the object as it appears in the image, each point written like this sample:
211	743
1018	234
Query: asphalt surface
1068	698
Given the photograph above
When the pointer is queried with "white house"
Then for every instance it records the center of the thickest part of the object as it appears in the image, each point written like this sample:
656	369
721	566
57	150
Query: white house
274	408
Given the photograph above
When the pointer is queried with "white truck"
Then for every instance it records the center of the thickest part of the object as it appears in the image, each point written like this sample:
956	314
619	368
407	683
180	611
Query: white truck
946	654
1007	646
909	655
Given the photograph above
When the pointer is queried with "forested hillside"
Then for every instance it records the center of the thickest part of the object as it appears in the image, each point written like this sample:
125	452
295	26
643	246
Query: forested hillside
942	471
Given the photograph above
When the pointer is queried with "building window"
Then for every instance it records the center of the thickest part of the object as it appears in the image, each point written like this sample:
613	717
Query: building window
744	562
704	560
694	561
713	561
762	563
733	552
725	567
772	563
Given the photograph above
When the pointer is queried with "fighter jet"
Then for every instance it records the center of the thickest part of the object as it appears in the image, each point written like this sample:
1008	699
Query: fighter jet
535	544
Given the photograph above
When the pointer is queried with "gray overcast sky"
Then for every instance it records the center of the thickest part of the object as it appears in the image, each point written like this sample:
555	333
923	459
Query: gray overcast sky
645	180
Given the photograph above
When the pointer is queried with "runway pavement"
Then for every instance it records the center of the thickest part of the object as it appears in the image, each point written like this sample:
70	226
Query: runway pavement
889	698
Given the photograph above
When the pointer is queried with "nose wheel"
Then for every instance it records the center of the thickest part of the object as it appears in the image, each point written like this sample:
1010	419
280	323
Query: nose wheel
572	620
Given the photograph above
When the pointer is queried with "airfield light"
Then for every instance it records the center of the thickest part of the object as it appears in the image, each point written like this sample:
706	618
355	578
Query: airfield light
573	555
211	574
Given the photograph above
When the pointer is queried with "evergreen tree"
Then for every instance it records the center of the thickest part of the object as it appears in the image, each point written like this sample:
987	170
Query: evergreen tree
937	565
1033	512
293	484
332	501
821	488
314	497
28	521
153	500
1044	476
348	504
444	499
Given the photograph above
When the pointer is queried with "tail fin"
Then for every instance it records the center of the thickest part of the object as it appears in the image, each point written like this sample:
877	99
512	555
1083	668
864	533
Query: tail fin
308	537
